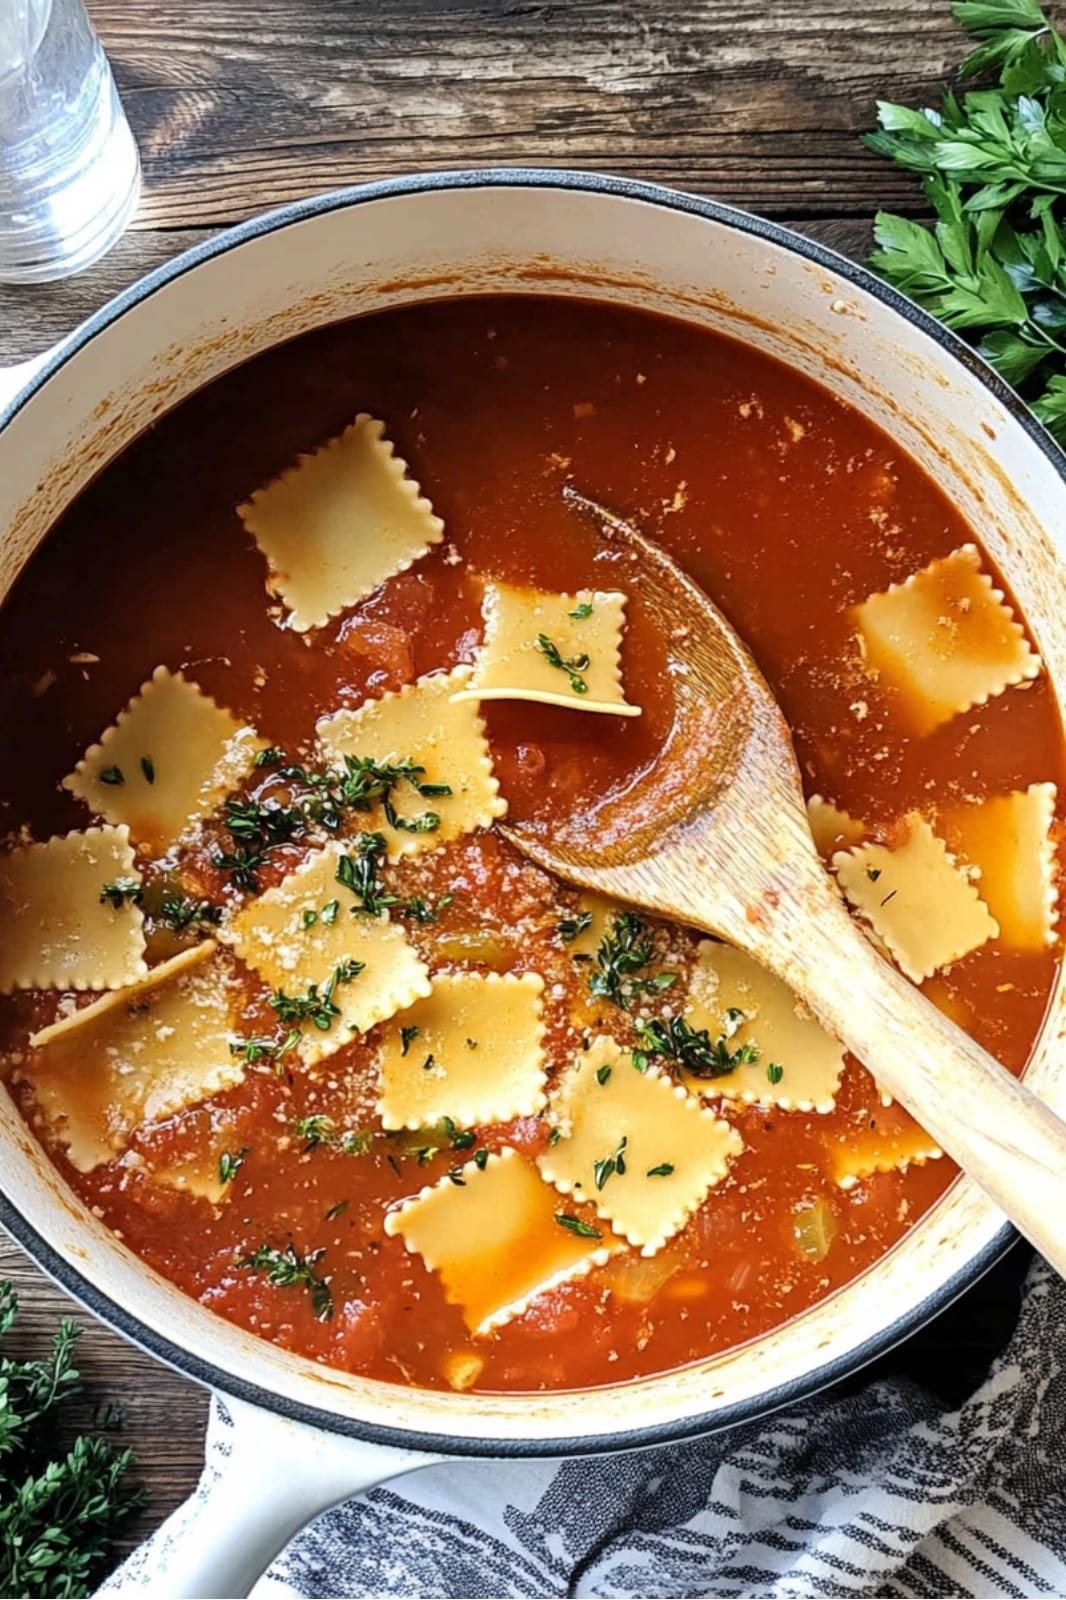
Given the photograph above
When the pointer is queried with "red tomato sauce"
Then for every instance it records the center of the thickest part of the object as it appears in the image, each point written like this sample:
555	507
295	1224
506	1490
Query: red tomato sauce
787	506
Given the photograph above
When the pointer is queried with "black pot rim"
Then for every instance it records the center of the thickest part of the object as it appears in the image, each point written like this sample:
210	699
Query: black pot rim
172	1354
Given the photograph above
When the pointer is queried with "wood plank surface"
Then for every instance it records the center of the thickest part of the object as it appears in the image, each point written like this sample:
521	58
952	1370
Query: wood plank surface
240	105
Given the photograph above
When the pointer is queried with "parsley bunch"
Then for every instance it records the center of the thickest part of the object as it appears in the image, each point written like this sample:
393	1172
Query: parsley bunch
994	167
58	1509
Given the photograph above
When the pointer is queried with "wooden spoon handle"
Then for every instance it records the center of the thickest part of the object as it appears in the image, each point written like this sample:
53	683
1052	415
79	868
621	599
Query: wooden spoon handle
1008	1140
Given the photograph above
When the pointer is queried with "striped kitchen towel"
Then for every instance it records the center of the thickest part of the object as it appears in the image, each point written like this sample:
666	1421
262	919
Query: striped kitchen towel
882	1490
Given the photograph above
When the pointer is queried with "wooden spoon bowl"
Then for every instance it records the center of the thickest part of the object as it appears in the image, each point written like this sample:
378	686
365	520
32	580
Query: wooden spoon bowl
714	834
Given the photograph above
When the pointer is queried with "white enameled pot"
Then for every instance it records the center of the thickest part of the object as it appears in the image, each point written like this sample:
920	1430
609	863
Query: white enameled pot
471	233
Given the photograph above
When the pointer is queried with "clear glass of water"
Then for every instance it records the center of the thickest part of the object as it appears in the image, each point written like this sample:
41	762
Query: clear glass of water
69	171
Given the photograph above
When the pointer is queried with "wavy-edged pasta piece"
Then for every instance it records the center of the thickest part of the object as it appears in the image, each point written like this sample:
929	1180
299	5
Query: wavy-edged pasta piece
798	1066
561	649
339	523
831	828
472	1051
426	724
1008	838
888	1141
291	952
635	1145
167	761
494	1240
57	928
945	639
136	1055
917	901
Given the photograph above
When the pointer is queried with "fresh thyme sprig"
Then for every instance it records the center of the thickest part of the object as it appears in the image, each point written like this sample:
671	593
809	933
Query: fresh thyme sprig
994	166
286	1269
573	666
693	1049
60	1503
122	891
180	912
624	951
318	1009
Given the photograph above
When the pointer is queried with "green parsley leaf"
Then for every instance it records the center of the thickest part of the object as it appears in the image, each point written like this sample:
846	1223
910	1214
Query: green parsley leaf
407	1038
664	1170
993	165
775	1073
570	928
179	912
112	776
582	610
148	768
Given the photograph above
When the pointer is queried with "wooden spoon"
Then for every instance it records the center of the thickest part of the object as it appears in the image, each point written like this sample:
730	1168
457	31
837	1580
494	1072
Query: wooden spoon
715	835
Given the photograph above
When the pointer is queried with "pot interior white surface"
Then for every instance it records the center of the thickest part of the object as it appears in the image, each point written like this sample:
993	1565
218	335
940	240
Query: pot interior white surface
472	234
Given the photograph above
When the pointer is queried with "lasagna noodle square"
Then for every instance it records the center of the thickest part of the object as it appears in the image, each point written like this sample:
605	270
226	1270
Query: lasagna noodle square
272	935
945	640
136	1056
672	1150
526	628
168	761
57	931
1007	838
494	1240
471	1051
339	523
925	911
423	723
831	828
888	1141
798	1065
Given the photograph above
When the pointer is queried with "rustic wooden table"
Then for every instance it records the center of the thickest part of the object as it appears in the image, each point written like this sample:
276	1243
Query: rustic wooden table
240	106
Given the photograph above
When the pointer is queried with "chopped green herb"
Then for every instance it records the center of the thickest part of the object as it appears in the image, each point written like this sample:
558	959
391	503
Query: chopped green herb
422	911
395	1165
179	912
286	1269
873	873
407	1038
361	874
337	1210
662	1171
310	918
230	1163
693	1048
584	1230
775	1073
455	1175
270	757
426	1153
112	776
602	1074
148	768
314	1131
243	864
624	951
607	1166
571	928
459	1138
329	912
555	1135
318	1009
471	1044
359	786
573	666
581	611
121	891
261	824
427	1063
254	1050
481	1159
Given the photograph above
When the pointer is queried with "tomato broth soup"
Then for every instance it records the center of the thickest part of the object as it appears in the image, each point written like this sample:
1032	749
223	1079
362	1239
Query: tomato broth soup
289	1012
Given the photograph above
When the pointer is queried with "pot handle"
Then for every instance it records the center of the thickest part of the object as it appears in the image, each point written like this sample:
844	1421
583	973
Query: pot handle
266	1477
